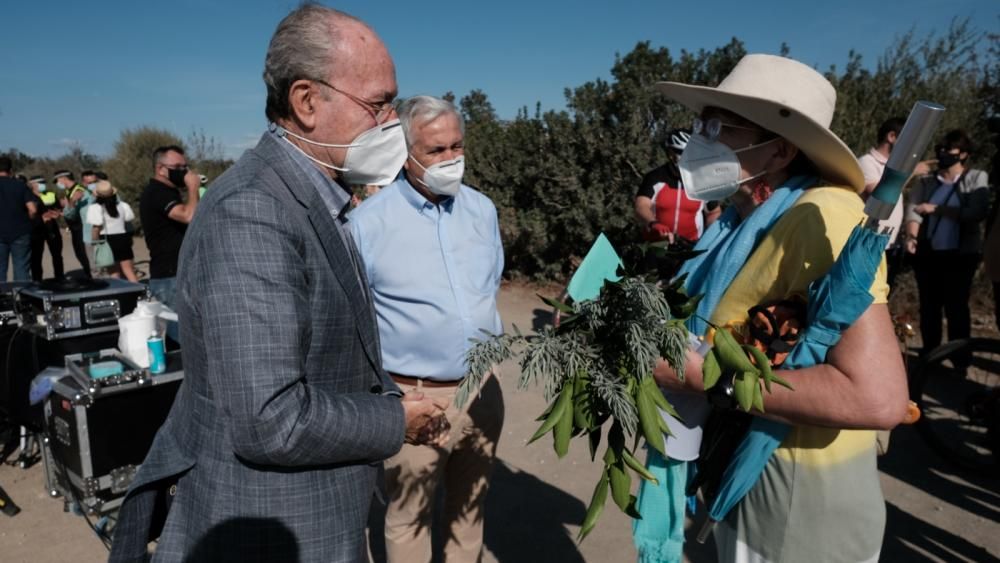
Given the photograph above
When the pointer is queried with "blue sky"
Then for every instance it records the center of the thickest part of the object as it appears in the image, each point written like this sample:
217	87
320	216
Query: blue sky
80	72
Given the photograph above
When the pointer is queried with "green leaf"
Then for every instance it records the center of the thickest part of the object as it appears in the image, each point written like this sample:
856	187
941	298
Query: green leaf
556	304
621	484
758	398
631	510
710	370
648	416
650	387
685	309
558	408
763	365
583	404
730	354
743	386
596	507
778	379
594	440
663	427
562	432
638	467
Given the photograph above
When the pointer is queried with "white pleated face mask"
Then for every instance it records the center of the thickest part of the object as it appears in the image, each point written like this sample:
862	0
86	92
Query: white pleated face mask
710	170
443	178
373	158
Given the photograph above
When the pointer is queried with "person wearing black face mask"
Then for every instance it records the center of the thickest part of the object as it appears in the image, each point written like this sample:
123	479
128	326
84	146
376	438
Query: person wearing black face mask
165	217
944	229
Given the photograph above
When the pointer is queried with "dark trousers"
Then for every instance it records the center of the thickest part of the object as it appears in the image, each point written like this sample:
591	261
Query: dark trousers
897	261
944	281
79	247
49	234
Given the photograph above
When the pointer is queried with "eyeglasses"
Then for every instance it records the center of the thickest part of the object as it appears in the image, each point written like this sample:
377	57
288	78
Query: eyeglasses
379	111
712	128
183	167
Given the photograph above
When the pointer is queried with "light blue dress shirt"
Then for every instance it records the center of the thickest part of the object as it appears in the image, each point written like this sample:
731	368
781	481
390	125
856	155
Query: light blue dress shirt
434	272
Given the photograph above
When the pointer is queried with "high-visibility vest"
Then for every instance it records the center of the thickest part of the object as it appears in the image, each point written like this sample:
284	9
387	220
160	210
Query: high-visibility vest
74	212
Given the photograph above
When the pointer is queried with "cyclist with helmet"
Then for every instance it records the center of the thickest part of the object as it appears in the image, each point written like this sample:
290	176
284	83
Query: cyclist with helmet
661	206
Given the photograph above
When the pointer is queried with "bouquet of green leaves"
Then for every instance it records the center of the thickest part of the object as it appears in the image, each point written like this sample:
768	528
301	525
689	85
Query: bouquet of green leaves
597	364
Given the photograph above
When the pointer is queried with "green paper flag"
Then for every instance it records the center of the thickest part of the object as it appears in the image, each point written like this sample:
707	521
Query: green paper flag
600	264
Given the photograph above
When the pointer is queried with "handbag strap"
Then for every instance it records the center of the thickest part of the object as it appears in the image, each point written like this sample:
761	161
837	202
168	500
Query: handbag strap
951	192
104	224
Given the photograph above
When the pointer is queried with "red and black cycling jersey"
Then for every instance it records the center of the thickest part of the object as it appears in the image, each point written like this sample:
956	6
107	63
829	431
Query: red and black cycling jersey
672	207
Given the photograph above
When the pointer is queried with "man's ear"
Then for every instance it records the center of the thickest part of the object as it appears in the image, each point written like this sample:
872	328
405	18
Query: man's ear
784	154
891	137
302	98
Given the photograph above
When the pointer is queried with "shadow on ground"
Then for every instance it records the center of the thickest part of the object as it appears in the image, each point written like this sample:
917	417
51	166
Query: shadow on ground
525	521
526	518
907	536
542	318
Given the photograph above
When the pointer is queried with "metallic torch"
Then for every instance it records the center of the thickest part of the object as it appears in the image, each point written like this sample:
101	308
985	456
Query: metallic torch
909	147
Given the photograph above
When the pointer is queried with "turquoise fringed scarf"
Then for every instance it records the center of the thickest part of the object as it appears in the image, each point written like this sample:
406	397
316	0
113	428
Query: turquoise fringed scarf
727	245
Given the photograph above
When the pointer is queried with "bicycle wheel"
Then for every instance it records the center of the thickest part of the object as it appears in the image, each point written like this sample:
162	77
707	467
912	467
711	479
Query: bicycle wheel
960	408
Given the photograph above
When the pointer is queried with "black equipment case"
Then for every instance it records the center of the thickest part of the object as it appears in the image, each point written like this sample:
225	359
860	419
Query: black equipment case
97	437
59	309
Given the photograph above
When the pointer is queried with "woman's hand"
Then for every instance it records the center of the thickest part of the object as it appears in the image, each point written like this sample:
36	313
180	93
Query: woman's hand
925	209
910	245
666	377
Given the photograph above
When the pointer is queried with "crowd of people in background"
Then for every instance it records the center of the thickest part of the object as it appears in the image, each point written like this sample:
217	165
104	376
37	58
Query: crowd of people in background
35	212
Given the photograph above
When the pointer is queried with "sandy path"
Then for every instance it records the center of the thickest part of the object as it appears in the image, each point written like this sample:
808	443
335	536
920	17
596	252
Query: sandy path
536	503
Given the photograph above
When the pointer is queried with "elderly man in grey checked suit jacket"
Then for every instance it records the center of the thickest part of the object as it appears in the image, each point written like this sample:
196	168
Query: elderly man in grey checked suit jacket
274	446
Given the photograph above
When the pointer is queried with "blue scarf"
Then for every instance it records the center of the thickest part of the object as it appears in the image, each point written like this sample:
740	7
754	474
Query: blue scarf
727	246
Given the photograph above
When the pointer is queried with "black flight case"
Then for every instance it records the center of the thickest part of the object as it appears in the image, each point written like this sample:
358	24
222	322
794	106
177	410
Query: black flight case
98	432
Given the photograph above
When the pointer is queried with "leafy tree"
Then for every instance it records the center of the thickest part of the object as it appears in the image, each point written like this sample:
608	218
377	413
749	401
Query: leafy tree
22	162
944	69
559	178
206	155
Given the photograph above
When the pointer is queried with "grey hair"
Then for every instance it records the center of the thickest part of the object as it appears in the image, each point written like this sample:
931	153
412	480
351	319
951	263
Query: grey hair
300	49
421	109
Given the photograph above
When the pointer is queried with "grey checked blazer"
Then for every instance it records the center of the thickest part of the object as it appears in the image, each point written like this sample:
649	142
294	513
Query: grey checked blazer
278	432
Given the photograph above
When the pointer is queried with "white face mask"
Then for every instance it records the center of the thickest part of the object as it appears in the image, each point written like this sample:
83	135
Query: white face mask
443	178
710	171
373	158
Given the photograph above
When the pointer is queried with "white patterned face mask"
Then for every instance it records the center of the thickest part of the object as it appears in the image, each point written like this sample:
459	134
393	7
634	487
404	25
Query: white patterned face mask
373	158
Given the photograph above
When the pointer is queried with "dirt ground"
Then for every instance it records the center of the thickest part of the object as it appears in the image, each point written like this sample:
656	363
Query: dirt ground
536	504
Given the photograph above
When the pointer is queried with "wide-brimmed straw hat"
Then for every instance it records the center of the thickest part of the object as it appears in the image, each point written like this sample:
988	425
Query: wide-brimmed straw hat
783	96
105	189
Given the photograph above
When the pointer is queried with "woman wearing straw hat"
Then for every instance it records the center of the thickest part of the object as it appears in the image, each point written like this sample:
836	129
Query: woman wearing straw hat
762	142
109	218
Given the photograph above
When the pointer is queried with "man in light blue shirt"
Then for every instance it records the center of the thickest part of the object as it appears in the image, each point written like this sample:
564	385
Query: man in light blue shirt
432	254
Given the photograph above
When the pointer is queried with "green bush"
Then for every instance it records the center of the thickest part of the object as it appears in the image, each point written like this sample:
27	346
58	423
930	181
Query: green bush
559	178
